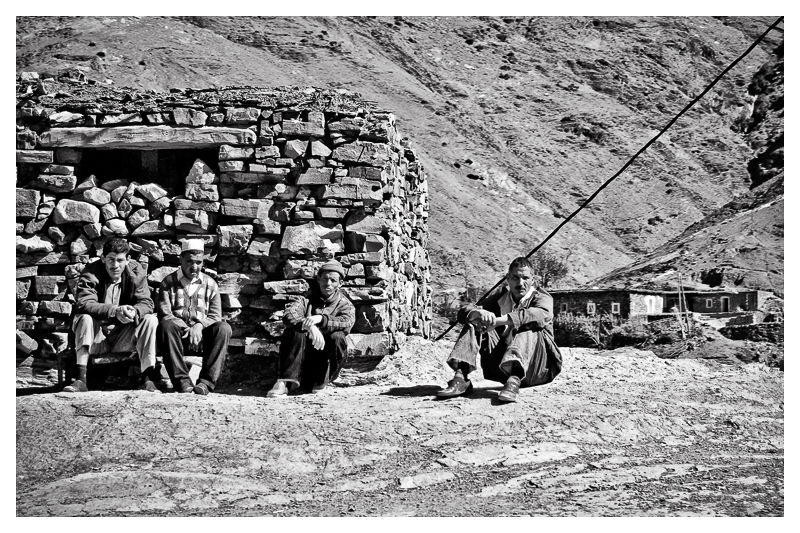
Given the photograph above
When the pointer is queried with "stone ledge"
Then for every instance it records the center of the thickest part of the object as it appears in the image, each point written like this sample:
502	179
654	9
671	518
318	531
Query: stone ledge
164	137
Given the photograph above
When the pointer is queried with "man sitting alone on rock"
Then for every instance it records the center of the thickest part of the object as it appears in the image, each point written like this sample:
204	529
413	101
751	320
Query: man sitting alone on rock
513	333
114	313
324	320
190	316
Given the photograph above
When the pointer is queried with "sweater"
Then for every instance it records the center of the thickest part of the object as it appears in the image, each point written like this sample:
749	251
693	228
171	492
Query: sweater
204	306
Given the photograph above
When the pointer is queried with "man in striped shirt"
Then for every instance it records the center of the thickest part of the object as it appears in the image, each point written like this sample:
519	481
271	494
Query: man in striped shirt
190	316
324	320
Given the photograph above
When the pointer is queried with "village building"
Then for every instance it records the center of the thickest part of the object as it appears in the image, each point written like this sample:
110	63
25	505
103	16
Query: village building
274	181
717	300
624	303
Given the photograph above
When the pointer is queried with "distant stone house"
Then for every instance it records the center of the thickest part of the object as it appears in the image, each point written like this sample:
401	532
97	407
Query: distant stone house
717	301
622	302
636	302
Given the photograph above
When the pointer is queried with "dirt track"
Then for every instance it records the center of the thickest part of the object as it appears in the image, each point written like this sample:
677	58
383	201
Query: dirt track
618	433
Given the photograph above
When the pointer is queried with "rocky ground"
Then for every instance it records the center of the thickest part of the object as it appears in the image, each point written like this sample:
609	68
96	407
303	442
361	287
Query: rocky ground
619	433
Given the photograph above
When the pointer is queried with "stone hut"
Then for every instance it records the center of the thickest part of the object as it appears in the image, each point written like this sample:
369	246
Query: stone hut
624	303
275	182
724	300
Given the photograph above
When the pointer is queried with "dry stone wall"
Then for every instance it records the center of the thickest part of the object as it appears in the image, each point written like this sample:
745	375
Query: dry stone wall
297	176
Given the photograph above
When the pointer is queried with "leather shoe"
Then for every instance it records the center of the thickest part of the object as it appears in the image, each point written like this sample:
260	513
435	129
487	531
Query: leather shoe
147	385
186	387
76	386
510	391
455	387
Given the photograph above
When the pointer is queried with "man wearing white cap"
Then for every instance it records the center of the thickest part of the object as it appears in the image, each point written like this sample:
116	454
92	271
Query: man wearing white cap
323	320
190	316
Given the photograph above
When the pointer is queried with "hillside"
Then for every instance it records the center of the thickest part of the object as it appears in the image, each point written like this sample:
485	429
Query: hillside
741	243
517	120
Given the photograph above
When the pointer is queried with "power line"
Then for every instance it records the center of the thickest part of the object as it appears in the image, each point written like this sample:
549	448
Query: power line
637	154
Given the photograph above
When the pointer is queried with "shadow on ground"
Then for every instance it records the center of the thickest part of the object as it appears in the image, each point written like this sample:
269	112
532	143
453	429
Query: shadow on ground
431	390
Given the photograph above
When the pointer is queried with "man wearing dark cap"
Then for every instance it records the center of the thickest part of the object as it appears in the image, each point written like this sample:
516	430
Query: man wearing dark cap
190	317
114	313
314	343
512	334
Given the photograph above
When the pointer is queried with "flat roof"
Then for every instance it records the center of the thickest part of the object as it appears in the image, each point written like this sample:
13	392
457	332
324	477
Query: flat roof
657	292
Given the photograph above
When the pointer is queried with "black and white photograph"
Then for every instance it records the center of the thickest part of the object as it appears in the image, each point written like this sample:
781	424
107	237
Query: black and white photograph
353	265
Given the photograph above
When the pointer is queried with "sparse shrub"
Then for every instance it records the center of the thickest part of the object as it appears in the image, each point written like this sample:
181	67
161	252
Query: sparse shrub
550	267
584	331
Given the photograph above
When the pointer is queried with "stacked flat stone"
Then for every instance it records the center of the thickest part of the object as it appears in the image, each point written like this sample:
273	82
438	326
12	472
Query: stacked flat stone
301	175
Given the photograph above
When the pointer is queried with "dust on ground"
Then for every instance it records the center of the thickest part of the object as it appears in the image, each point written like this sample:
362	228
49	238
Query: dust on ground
618	433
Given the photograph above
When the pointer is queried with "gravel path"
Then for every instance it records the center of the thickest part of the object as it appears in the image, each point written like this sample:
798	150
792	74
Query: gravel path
619	433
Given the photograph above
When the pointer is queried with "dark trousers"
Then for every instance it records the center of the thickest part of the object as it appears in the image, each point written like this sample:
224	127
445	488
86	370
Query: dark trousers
171	346
303	366
531	355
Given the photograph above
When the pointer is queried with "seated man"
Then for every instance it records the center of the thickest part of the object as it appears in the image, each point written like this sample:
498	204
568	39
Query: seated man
114	313
190	316
513	333
324	320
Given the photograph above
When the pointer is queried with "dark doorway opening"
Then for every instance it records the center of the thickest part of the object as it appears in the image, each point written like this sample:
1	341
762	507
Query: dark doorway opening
168	168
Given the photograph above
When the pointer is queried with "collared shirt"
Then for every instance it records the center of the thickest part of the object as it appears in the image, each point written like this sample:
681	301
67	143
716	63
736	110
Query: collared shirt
113	290
190	285
507	305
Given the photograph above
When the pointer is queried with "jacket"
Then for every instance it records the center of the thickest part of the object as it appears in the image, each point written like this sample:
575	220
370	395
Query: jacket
537	315
91	291
338	313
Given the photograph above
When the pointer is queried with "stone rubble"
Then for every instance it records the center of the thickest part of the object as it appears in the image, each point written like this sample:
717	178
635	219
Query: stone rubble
298	177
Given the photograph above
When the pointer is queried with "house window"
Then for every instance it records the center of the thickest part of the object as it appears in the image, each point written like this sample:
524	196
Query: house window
709	303
590	309
614	308
563	307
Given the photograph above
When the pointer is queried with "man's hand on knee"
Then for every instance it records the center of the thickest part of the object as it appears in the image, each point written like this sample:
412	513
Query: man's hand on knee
317	340
195	335
125	314
313	320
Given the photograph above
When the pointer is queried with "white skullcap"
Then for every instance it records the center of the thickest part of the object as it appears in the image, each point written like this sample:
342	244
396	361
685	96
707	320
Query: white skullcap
192	245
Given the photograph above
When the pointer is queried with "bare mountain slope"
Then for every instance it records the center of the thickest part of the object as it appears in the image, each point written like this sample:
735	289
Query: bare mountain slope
741	243
517	119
